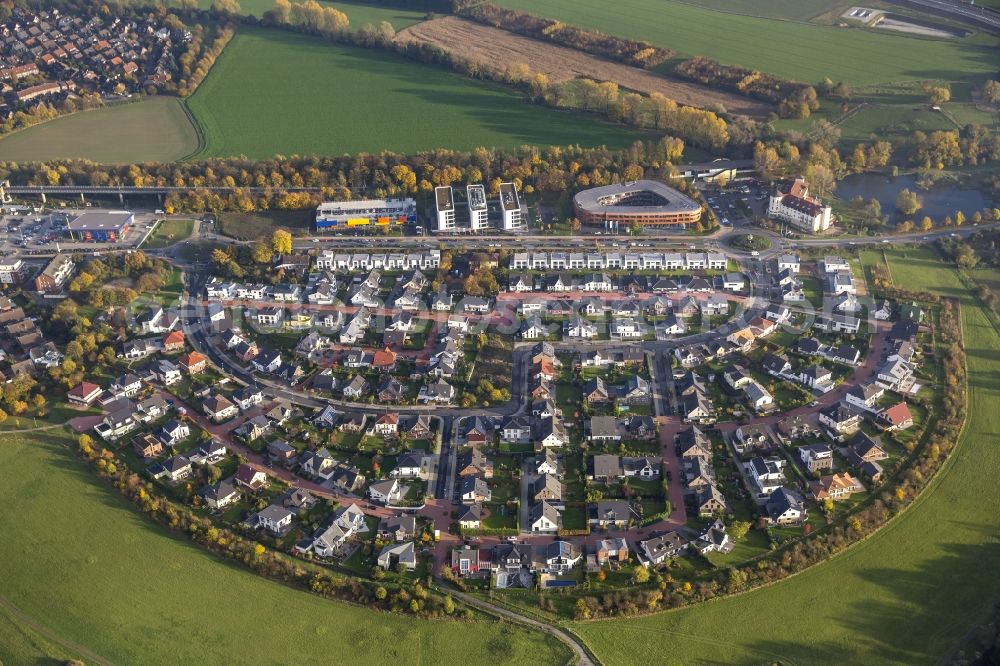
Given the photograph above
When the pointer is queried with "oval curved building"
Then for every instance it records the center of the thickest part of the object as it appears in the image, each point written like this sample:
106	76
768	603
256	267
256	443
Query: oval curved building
647	202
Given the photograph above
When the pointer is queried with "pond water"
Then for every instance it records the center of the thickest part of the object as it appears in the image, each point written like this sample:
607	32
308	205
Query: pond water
938	202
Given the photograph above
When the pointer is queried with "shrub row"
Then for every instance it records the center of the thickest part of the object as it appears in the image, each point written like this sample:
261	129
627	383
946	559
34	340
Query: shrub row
628	51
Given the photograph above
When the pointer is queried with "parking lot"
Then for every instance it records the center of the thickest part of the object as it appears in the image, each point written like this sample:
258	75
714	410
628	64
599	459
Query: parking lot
737	204
29	230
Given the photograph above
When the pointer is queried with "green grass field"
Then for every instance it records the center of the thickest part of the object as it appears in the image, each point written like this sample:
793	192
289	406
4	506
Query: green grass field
330	99
84	564
796	10
115	134
358	13
169	232
904	596
20	645
793	50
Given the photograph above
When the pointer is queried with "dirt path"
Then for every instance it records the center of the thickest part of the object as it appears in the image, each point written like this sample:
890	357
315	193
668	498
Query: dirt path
498	49
582	658
46	633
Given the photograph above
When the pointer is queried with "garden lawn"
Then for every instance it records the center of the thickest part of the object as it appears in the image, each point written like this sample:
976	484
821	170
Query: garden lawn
157	129
86	565
906	595
273	92
792	50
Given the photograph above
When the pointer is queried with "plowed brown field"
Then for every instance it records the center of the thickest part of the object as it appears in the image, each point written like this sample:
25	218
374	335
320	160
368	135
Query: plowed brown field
499	49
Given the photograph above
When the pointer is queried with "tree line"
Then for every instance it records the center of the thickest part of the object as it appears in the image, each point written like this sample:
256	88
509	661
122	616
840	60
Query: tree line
552	170
628	51
794	100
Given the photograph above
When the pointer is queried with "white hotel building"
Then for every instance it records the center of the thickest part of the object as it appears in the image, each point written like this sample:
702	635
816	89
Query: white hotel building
790	202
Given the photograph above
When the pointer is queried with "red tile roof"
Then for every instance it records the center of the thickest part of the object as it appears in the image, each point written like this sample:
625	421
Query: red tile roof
898	413
83	390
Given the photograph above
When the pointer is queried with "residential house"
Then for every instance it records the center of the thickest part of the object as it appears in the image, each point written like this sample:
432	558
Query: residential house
549	431
385	360
396	555
147	446
173	342
605	467
173	432
281	451
710	502
580	328
397	528
766	474
248	397
561	556
267	361
219	408
416	427
635	391
474	462
83	394
753	437
346	477
544	517
861	448
173	470
865	396
274	518
470	516
355	389
253	429
610	513
125	386
249	477
758	397
410	465
595	391
473	490
604	429
816	457
642	467
220	495
817	378
546	487
693	443
386	492
785	507
516	429
660	547
896	374
386	425
533	328
317	464
548	463
611	550
835	487
896	417
840	418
